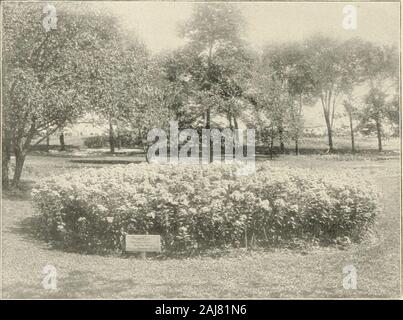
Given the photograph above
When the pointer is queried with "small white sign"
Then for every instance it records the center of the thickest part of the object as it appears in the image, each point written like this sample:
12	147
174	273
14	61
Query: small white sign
143	243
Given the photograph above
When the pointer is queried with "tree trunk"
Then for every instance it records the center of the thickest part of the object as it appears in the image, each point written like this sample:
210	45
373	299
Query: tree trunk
351	132
19	164
118	142
329	133
235	123
4	173
282	149
236	137
229	117
111	137
379	133
208	118
118	139
47	144
144	145
299	122
208	113
62	145
8	147
208	126
6	151
281	131
327	112
145	149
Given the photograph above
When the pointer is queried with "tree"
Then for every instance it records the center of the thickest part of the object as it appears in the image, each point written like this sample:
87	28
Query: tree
351	111
380	68
212	66
61	139
214	43
334	69
117	68
393	112
263	123
288	63
45	77
375	102
271	102
149	102
180	72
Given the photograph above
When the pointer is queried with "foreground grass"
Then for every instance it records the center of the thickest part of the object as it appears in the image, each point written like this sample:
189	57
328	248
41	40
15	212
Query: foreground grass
270	274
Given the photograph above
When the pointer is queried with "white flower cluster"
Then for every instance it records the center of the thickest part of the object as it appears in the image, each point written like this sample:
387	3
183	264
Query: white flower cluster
197	206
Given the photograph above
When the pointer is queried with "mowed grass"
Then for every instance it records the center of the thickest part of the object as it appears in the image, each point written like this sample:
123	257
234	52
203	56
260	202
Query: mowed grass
276	273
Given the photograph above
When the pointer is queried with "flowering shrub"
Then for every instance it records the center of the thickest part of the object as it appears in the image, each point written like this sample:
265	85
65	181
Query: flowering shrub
197	207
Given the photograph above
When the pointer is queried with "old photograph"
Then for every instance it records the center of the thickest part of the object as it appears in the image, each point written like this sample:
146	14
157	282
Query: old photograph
200	150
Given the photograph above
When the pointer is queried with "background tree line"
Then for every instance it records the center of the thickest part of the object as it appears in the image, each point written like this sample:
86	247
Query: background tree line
88	64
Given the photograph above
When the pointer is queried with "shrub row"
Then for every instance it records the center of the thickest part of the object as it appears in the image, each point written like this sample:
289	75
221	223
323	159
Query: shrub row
197	207
127	140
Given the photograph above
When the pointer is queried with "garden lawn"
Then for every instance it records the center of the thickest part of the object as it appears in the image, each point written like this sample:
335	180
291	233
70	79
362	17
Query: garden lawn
278	273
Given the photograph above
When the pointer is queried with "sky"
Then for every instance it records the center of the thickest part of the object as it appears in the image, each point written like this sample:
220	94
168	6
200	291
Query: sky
266	22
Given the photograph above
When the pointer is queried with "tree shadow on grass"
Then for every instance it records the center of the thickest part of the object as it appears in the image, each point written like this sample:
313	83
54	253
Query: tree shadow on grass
22	193
78	284
29	230
75	284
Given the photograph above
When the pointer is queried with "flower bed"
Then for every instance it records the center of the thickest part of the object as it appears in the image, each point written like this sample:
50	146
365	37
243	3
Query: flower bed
195	207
